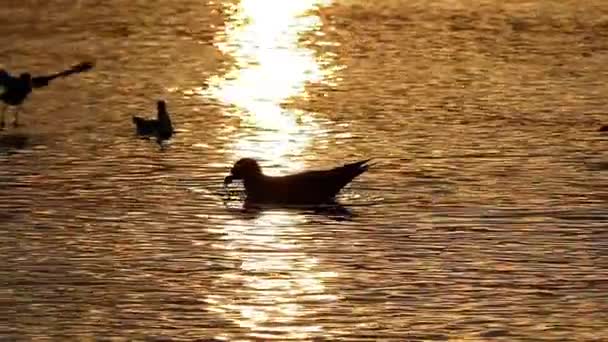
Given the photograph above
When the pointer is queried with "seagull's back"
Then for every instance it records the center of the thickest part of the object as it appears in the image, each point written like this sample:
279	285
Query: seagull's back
309	187
145	126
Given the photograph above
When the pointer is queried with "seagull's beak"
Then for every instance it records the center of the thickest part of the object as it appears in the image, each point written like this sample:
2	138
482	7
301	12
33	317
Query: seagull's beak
228	180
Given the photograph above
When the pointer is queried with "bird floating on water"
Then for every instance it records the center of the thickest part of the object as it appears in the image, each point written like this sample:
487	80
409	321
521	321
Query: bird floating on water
309	187
15	89
604	128
161	127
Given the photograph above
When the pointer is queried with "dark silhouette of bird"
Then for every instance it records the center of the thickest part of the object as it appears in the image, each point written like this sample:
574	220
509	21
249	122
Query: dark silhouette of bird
14	90
161	127
604	128
309	187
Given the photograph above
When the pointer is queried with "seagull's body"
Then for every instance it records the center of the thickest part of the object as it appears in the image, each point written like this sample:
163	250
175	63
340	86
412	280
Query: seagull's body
161	128
309	187
14	90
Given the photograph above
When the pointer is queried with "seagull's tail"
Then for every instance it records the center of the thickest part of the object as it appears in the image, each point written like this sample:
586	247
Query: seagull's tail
362	165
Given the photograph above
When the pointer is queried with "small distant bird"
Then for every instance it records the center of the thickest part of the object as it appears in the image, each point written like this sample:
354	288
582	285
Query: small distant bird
161	127
309	187
604	128
14	90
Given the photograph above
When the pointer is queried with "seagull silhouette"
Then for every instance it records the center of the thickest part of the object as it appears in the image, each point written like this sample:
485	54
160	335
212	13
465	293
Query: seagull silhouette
14	90
309	187
161	127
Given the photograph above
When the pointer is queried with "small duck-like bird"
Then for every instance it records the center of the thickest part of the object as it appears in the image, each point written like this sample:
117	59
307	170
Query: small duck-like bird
604	128
309	187
161	127
14	90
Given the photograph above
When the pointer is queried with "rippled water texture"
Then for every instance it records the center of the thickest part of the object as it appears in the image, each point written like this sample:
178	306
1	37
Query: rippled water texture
484	220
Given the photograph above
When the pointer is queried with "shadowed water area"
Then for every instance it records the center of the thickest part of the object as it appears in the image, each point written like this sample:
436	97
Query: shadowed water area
485	218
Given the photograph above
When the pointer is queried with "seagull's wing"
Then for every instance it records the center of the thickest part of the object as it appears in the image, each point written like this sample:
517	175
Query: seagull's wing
325	183
42	81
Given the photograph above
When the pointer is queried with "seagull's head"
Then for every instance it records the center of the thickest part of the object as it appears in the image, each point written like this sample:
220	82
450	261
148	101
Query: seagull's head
244	168
161	106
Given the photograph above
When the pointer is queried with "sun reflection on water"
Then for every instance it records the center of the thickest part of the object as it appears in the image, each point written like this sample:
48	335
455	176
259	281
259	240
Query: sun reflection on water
269	68
277	282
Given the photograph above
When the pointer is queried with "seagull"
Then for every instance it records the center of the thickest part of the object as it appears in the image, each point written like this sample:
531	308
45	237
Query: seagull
15	89
309	187
161	127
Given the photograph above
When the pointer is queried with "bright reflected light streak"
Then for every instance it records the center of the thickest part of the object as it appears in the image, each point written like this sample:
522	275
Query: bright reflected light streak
276	281
270	68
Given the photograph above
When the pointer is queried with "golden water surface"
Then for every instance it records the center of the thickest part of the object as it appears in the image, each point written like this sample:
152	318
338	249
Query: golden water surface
484	219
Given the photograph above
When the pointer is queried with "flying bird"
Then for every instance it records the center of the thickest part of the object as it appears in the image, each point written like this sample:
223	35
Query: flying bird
309	187
14	90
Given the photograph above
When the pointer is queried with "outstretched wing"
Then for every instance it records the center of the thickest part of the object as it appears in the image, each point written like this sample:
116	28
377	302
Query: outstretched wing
42	81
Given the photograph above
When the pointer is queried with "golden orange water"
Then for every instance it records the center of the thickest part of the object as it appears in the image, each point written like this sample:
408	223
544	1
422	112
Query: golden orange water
484	221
